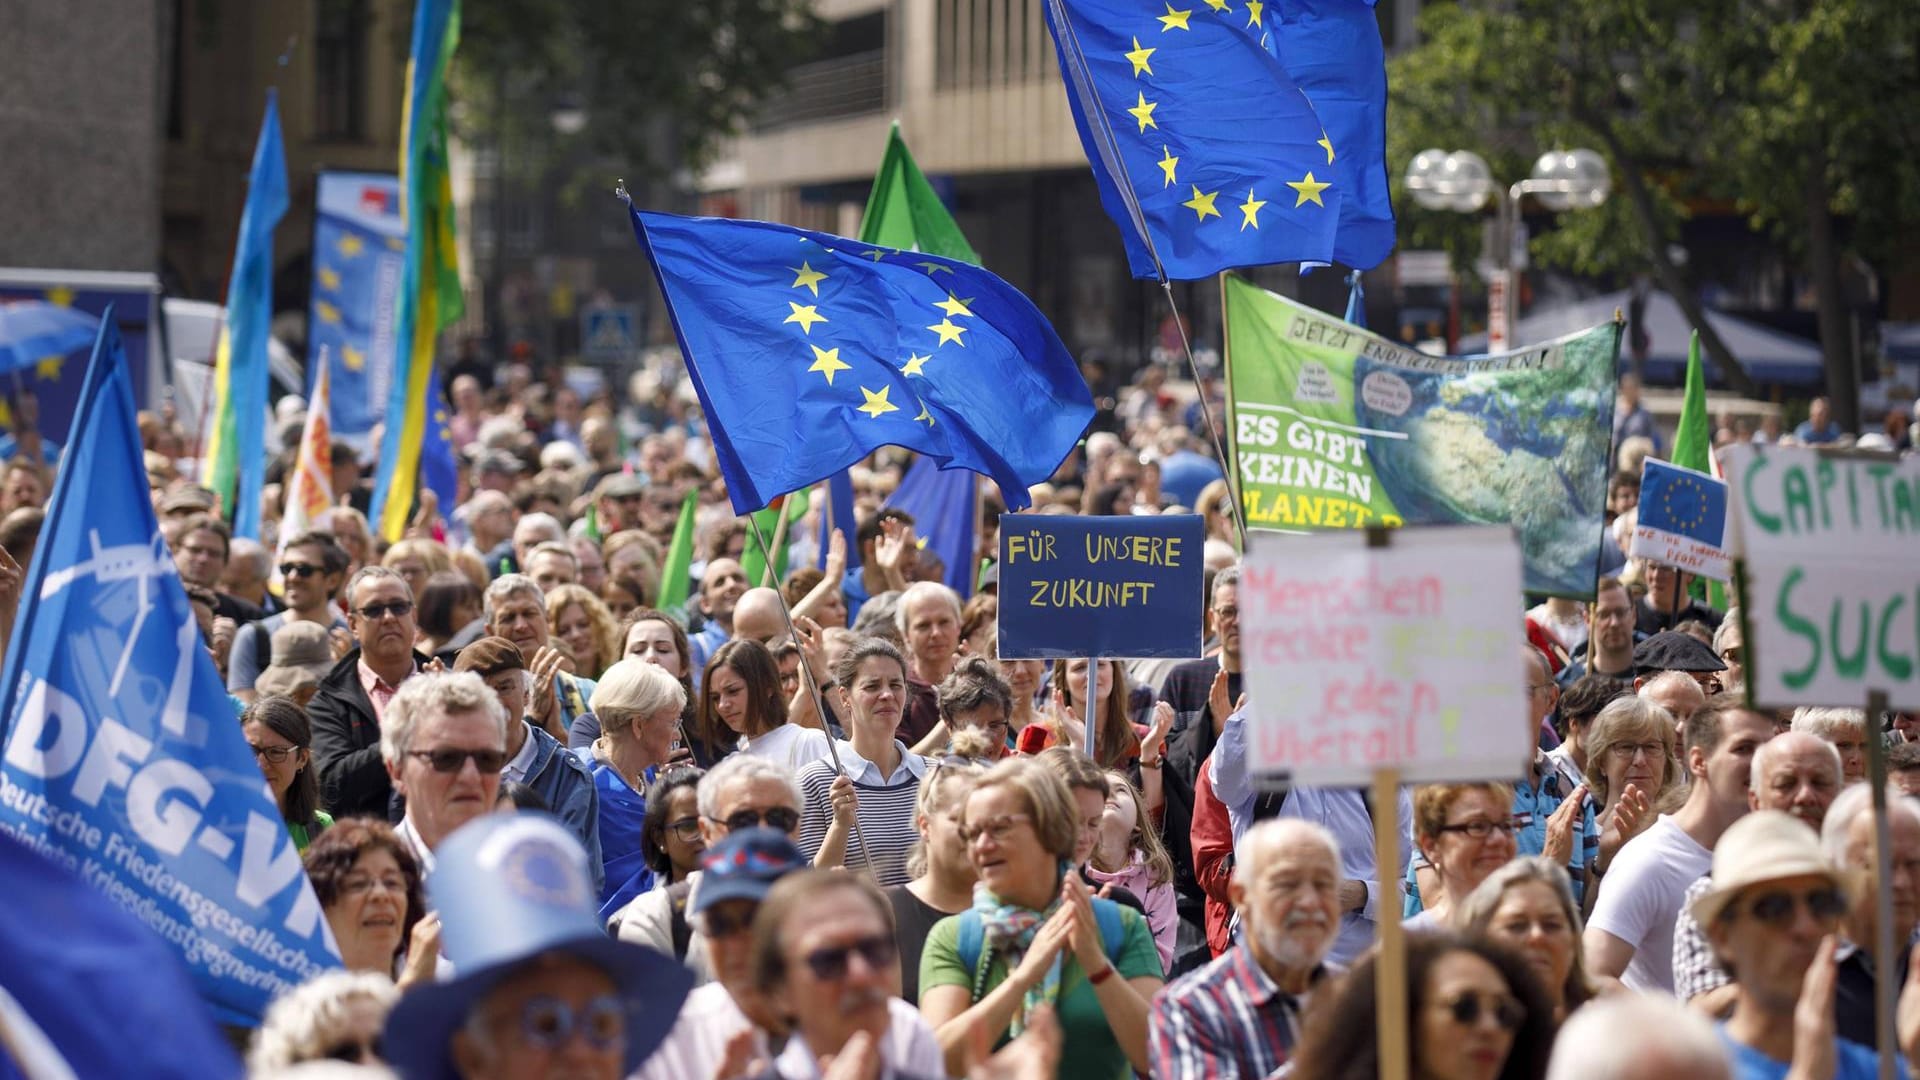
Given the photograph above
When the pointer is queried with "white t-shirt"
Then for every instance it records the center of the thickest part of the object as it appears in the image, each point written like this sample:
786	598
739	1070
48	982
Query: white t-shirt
1640	899
698	1042
791	745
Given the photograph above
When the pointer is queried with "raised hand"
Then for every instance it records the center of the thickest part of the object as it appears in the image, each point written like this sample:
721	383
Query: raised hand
1560	827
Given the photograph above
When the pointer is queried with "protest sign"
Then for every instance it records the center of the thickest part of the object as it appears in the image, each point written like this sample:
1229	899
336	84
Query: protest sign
1682	520
357	237
1404	656
1828	547
123	759
1335	428
1124	587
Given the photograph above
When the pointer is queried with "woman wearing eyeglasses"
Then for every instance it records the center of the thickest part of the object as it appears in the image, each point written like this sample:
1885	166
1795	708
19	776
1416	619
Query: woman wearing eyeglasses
639	709
1036	935
670	833
881	781
1465	832
1475	1012
1631	772
368	885
282	742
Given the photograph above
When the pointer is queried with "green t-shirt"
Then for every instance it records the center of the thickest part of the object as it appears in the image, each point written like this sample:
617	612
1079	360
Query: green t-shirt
1090	1051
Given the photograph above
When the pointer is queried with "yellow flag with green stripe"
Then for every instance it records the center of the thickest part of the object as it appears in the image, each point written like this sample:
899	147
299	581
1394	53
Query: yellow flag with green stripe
430	296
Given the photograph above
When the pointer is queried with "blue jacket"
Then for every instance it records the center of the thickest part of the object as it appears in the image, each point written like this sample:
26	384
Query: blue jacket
567	786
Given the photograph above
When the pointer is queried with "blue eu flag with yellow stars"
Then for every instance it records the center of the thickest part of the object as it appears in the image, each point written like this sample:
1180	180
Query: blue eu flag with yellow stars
1332	51
810	351
1207	155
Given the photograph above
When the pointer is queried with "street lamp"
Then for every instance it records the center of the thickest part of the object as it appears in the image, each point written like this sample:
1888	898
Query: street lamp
1460	181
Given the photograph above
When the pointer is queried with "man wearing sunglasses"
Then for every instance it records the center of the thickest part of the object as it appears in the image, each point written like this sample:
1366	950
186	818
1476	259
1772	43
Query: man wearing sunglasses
826	963
350	707
311	570
736	875
540	990
742	792
1772	916
444	740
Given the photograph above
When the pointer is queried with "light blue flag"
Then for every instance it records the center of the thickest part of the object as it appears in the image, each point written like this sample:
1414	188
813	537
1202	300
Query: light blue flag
358	242
439	468
124	760
942	502
249	310
1682	520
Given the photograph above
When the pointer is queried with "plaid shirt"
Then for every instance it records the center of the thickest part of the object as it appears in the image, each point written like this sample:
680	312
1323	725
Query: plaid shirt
1696	969
1225	1021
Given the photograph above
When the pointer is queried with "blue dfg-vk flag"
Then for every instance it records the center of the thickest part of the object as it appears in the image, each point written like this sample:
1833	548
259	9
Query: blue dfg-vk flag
942	503
1682	520
123	758
1207	154
810	351
357	236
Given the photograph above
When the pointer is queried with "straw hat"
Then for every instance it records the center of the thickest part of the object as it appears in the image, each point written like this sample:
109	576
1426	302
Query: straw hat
1765	846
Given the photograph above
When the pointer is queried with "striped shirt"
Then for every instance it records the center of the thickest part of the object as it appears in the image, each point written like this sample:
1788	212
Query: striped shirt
885	813
1226	1021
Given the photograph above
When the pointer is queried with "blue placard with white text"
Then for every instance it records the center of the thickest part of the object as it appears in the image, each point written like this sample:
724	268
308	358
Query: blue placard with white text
1125	587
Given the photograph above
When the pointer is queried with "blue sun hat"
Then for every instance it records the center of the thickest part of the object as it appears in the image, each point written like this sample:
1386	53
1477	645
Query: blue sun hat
510	888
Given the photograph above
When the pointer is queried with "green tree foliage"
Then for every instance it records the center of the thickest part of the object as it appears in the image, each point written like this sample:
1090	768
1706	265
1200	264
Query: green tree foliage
1799	112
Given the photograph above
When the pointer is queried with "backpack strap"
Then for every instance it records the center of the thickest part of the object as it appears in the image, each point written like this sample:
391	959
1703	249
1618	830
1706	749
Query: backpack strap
973	935
1113	927
972	938
677	895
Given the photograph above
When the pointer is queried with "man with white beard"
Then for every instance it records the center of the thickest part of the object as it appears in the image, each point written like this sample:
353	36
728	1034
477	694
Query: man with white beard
1240	1015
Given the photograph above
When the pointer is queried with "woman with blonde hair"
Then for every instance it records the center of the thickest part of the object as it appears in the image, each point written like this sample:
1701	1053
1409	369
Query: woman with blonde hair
943	877
1527	905
335	1016
639	708
1631	766
581	621
1215	504
1036	935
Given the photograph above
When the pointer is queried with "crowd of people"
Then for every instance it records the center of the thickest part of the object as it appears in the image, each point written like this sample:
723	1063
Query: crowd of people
809	823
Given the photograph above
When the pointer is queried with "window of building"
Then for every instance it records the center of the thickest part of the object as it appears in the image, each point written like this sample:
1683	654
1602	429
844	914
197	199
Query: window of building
340	70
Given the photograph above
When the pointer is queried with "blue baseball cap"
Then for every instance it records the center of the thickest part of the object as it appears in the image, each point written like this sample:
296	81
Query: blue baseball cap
744	865
510	888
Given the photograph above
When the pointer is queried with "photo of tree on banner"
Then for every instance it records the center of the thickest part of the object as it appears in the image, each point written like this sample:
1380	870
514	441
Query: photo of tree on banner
1333	427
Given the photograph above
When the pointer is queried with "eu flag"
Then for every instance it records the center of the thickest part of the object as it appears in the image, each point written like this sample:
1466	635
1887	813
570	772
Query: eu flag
943	503
1207	155
123	760
810	351
439	466
1682	520
1332	51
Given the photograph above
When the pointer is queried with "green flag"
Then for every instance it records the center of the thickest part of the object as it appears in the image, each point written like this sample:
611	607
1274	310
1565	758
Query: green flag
753	561
903	211
1693	449
679	567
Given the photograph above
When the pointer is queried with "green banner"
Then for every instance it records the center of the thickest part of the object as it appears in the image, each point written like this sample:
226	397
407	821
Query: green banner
1335	428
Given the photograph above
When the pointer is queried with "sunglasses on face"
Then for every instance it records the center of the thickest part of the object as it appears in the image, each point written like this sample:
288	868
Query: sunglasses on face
1776	908
396	608
777	817
452	761
550	1023
1467	1009
275	754
300	570
830	964
719	924
355	1051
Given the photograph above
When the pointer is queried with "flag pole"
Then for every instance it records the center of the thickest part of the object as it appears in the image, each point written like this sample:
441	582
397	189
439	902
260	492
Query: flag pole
819	703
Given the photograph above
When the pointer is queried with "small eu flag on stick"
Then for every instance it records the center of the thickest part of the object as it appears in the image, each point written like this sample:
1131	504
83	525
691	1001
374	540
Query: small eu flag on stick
809	351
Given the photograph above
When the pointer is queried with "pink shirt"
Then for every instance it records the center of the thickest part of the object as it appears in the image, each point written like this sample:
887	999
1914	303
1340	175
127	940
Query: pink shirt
379	691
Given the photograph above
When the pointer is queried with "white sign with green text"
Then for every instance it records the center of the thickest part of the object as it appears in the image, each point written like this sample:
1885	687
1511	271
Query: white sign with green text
1830	548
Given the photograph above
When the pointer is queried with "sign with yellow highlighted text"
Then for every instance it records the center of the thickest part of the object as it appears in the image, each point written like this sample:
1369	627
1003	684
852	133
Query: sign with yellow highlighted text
1335	428
1828	550
1124	587
1404	655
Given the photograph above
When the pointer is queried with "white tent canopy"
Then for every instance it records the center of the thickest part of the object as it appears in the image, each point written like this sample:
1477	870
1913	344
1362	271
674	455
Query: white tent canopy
1766	354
